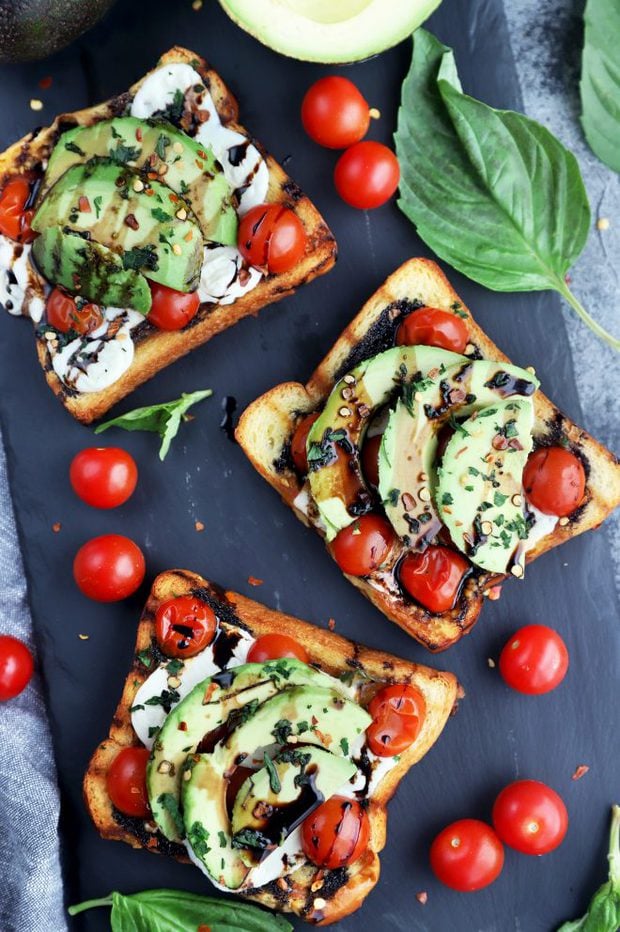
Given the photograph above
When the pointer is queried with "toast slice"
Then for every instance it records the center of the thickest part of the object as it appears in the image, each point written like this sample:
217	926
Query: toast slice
319	896
266	426
155	349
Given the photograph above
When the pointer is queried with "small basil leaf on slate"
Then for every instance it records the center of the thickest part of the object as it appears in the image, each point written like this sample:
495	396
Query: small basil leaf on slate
600	80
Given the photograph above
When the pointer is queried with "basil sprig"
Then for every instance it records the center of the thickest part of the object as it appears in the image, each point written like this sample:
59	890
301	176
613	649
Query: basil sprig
176	911
492	192
600	80
603	913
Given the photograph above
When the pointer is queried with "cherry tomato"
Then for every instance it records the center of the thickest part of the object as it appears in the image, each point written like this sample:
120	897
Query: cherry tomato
434	578
184	626
366	175
534	660
275	646
103	477
16	667
336	833
398	713
64	313
554	480
15	216
530	817
467	855
272	237
334	113
430	326
363	546
299	440
170	309
126	782
370	459
108	568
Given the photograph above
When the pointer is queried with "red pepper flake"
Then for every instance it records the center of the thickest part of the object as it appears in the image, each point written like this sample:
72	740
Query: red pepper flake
56	526
494	593
314	720
204	928
188	238
422	897
84	205
149	192
173	197
46	82
151	843
139	134
499	442
255	581
331	624
182	726
580	772
131	222
199	526
200	164
202	154
209	692
152	175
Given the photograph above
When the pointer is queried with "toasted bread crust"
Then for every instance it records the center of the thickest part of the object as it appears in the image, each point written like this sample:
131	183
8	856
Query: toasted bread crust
158	348
266	426
344	890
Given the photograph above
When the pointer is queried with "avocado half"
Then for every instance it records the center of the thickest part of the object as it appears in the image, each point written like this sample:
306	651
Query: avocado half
327	31
33	29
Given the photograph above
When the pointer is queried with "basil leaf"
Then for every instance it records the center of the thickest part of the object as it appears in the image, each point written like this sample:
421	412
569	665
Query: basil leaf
603	913
600	80
163	419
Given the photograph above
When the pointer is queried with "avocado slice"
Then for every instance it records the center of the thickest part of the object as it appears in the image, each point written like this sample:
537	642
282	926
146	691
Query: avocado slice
480	488
272	802
409	444
149	146
89	269
335	475
100	199
309	714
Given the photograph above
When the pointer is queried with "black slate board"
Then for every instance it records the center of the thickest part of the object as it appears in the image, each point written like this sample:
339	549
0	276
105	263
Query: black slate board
497	735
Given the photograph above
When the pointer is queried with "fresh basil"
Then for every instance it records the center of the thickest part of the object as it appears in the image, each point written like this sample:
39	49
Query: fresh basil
600	80
603	913
492	192
175	910
274	778
163	419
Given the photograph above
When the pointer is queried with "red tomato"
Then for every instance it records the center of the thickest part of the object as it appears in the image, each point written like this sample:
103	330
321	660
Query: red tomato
366	175
108	568
184	626
64	313
275	646
434	577
103	477
15	216
363	546
299	440
370	459
467	855
272	237
430	326
534	660
126	782
554	480
398	713
336	833
170	309
530	817
16	667
334	113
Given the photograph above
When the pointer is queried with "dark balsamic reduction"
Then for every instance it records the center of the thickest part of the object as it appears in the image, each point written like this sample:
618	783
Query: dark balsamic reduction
285	818
229	406
506	385
236	154
224	646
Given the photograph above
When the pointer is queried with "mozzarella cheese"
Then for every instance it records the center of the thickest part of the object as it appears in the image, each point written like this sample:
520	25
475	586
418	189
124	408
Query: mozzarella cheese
21	287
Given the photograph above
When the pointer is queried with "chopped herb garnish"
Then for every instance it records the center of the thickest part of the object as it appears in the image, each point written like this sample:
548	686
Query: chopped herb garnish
97	201
344	744
274	779
250	838
169	804
73	147
282	730
124	154
499	498
160	215
174	666
223	839
144	656
446	499
141	257
166	699
160	147
198	837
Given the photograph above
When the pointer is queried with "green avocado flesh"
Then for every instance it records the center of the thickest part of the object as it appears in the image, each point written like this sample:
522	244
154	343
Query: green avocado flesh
407	476
480	487
99	198
91	270
311	715
157	149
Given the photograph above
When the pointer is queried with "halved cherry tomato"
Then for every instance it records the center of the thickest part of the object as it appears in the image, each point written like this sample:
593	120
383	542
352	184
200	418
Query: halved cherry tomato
103	477
16	667
398	713
433	578
366	175
467	855
272	237
530	817
370	459
430	326
275	646
184	626
109	568
126	782
534	660
363	546
170	309
334	112
15	216
554	480
336	833
65	313
299	440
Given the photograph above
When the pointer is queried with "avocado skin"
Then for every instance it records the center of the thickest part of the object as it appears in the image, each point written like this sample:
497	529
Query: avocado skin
34	29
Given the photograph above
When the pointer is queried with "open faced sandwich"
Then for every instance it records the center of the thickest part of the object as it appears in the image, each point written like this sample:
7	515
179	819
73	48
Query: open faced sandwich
271	748
431	465
122	232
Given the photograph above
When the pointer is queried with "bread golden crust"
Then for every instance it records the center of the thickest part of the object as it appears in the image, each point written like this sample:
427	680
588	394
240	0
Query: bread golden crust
158	348
266	426
344	890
